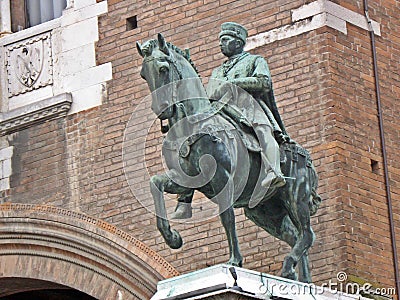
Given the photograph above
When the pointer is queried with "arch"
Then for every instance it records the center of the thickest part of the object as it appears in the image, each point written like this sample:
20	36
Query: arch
26	288
78	251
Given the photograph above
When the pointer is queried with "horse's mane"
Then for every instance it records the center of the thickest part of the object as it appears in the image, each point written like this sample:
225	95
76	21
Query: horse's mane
185	54
154	43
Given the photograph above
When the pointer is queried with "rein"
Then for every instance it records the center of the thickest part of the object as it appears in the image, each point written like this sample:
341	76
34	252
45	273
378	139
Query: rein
172	63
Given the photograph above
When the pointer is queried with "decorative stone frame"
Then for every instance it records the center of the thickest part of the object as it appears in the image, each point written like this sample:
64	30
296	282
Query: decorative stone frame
19	55
75	250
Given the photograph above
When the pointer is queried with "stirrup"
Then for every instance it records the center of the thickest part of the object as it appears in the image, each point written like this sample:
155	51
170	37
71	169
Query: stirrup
273	180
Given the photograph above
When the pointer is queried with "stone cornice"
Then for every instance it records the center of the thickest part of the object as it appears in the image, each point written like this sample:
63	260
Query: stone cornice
342	14
217	282
310	17
35	113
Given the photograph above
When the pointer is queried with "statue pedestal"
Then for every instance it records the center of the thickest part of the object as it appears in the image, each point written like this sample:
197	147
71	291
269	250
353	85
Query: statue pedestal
217	283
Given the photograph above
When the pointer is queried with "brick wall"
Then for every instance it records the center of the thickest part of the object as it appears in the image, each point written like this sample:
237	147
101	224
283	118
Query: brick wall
324	86
365	206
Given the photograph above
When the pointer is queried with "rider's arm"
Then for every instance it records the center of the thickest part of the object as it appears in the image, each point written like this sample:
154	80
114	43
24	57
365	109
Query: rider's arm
252	84
259	80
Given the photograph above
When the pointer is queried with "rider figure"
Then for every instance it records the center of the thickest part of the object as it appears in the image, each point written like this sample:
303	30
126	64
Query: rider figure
251	74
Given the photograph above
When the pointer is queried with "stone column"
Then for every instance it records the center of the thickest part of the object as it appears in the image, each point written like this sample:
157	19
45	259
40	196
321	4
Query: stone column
5	17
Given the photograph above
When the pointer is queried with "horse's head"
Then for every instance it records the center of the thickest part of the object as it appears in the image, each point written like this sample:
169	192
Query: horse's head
164	65
159	71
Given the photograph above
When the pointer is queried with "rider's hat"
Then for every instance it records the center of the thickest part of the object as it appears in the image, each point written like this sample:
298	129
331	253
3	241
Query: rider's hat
235	30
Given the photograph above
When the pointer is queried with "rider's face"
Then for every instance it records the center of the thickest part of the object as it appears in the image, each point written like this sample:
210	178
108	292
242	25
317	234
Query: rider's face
230	45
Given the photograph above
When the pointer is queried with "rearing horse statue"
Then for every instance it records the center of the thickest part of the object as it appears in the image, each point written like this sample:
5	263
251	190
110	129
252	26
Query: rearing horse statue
205	152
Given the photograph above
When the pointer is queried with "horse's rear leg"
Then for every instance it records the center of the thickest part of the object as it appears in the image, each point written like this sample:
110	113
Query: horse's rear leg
299	254
280	226
301	220
291	236
304	269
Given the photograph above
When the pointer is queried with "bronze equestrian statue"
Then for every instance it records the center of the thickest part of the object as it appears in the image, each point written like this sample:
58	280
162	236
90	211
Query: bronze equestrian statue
216	144
251	74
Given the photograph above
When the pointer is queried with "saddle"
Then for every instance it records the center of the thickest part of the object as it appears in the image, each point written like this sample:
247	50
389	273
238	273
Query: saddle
246	133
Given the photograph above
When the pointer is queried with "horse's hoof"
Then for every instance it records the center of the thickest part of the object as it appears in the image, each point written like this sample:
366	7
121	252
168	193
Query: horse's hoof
235	263
290	275
288	270
176	240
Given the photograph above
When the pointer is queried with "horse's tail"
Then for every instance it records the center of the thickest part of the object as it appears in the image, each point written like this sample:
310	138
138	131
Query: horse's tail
315	199
296	151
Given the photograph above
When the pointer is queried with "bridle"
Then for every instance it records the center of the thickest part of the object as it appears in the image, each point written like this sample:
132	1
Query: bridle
173	65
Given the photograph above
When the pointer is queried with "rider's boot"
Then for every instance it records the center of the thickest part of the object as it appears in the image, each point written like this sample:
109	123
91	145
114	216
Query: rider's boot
273	179
271	158
183	210
270	172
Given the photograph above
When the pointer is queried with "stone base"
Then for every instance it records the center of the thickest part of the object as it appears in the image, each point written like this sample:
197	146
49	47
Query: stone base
217	283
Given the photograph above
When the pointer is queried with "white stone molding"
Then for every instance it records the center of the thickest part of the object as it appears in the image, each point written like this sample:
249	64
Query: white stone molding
216	282
310	17
38	112
55	58
5	167
30	32
70	3
333	9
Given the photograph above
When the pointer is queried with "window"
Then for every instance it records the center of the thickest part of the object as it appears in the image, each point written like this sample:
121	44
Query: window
40	11
28	13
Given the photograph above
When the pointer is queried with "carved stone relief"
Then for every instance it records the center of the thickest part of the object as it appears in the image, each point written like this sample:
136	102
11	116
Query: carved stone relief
29	64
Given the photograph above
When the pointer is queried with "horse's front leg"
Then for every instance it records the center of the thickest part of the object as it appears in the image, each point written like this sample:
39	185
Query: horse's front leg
225	201
228	221
159	184
304	269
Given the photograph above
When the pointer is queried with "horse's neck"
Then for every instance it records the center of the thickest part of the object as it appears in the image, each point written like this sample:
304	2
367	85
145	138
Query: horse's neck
191	87
179	124
191	99
189	112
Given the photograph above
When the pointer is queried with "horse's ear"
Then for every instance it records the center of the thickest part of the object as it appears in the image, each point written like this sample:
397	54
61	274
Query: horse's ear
139	49
162	44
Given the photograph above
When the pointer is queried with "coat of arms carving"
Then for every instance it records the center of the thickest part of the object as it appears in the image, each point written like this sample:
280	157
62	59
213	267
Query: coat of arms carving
29	65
